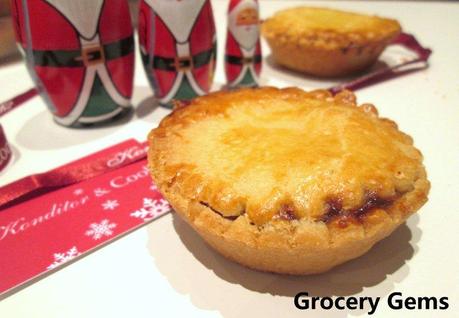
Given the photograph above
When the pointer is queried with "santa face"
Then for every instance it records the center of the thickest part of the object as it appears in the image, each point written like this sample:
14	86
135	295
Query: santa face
244	25
247	17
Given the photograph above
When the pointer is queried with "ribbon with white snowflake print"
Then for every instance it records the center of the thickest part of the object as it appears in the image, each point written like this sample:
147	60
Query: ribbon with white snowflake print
41	234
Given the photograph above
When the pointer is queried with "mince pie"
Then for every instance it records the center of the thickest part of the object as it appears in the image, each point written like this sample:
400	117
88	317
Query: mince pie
284	180
326	42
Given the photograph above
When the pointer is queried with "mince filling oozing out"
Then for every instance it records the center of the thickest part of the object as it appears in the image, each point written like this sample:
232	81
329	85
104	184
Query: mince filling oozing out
335	210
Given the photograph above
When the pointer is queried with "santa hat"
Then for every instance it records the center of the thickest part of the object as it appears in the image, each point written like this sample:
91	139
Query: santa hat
235	3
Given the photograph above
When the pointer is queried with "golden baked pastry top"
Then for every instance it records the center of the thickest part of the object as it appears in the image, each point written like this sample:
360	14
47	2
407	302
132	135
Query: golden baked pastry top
328	28
277	155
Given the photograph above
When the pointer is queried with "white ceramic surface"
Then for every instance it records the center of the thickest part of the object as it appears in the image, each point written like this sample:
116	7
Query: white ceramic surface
165	270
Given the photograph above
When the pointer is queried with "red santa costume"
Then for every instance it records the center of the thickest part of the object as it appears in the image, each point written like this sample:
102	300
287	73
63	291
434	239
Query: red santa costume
243	50
82	63
178	47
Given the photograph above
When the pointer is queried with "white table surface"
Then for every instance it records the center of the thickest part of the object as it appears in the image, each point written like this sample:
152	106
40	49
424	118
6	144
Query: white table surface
165	270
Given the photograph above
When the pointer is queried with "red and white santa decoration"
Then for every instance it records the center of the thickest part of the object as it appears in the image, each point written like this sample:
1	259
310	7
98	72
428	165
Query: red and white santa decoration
243	50
178	47
80	54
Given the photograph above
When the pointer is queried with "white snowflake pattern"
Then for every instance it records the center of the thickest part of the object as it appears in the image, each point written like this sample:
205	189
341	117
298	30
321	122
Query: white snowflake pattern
99	230
110	205
99	192
151	209
61	258
153	187
78	191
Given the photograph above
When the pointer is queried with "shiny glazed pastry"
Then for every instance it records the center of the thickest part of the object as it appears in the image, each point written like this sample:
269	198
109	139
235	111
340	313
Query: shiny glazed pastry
284	180
326	42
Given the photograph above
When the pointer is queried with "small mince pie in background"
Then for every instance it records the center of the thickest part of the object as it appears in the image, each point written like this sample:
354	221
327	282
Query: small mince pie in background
284	180
325	42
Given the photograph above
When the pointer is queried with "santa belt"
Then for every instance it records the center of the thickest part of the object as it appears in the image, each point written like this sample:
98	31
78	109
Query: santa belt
242	60
87	56
183	63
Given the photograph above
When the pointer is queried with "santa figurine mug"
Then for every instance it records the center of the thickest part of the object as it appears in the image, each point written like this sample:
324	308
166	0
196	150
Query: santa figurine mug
178	47
243	50
80	55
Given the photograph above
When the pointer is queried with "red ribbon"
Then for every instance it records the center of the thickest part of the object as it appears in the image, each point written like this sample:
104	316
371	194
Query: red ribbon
5	150
11	104
85	168
409	42
5	107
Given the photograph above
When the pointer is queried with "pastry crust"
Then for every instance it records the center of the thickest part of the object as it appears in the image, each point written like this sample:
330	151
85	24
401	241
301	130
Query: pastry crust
284	180
326	42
